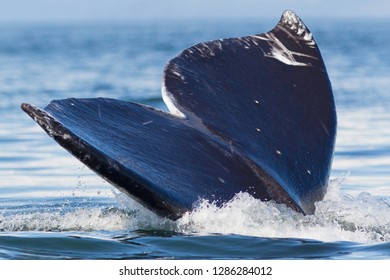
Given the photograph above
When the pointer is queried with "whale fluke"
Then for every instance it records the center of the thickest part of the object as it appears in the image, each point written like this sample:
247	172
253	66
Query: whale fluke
253	114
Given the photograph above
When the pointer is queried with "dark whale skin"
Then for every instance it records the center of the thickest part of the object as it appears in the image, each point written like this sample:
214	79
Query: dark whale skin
254	114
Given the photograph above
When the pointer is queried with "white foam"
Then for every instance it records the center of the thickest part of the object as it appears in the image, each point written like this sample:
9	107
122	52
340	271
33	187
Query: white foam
125	215
363	218
78	220
339	217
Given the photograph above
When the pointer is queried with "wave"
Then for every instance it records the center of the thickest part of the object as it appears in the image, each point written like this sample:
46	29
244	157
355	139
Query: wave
363	218
339	217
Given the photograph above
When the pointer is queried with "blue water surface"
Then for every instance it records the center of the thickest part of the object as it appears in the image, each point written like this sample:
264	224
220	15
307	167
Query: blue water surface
52	207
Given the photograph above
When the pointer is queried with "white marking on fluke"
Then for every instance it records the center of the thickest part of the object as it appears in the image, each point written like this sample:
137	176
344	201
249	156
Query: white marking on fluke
294	23
293	26
146	123
281	52
168	100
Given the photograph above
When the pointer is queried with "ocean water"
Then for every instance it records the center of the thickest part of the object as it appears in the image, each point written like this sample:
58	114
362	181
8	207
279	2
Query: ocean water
53	207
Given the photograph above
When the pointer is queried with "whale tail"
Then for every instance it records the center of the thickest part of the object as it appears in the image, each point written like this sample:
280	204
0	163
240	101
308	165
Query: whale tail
253	114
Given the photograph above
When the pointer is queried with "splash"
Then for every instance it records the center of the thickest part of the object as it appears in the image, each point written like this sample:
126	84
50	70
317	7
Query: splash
77	220
339	217
363	218
123	214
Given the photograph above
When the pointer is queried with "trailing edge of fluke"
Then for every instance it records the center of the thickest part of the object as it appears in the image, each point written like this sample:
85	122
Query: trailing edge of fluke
253	114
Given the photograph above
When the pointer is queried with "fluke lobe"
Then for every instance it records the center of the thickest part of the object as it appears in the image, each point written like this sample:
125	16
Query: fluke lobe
253	114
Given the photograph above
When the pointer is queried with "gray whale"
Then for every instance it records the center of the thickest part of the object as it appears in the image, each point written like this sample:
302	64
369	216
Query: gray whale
253	114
